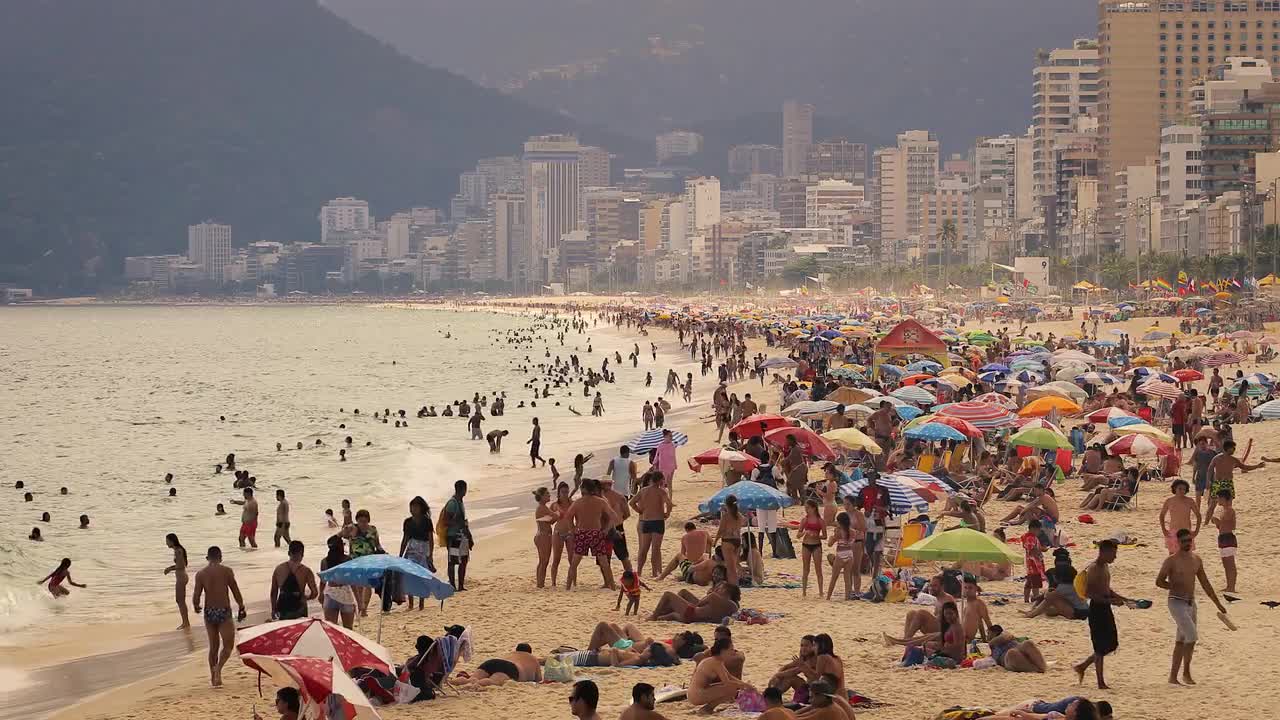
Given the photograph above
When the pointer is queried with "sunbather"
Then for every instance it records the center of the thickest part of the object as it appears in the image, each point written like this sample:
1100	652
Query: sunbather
719	602
1014	655
519	665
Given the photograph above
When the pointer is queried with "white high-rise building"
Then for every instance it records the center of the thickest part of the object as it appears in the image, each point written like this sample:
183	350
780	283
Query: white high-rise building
797	136
678	143
827	195
397	233
209	247
701	204
1066	85
552	194
890	210
919	149
507	226
1179	164
673	227
344	213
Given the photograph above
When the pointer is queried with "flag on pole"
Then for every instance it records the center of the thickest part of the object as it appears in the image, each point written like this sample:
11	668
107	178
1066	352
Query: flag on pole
1162	283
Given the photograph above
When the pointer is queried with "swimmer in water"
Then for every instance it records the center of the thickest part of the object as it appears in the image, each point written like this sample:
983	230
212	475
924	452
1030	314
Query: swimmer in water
27	497
278	447
35	535
342	455
84	522
219	510
62	491
45	517
173	492
56	578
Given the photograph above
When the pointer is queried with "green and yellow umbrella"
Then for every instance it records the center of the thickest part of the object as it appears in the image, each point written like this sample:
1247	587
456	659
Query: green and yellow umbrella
961	544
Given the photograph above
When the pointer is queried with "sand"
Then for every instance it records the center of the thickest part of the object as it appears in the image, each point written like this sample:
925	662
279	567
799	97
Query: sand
503	607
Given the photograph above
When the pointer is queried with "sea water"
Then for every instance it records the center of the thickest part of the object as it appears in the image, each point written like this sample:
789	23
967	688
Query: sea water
105	400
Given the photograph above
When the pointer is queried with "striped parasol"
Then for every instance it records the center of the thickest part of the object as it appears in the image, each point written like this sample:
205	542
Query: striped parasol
915	394
1219	359
995	398
1160	388
1140	445
983	415
648	440
1107	413
902	499
1269	410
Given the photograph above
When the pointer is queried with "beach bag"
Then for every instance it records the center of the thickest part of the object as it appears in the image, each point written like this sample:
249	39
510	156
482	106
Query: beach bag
557	670
1081	583
782	547
442	529
750	701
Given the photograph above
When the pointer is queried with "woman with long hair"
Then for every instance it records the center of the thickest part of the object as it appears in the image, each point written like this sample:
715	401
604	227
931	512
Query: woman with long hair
950	633
848	557
339	599
812	532
827	662
562	532
364	540
543	519
179	570
416	539
730	537
830	491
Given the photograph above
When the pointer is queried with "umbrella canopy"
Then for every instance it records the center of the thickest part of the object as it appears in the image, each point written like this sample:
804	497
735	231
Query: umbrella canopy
1071	390
1143	429
1107	413
902	499
313	637
649	439
852	438
1160	388
1047	404
994	367
1026	423
934	431
1269	410
1140	445
995	398
961	544
809	441
369	570
809	407
1187	375
983	415
851	396
923	366
1040	438
778	363
1219	359
316	679
751	496
915	395
1119	422
1098	378
964	426
740	461
925	480
749	426
908	412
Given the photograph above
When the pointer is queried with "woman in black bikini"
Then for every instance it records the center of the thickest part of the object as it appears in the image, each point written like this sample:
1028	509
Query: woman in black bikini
179	570
812	532
730	537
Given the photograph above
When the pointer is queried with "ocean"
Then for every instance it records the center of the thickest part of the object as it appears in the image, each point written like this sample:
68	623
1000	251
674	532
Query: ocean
106	400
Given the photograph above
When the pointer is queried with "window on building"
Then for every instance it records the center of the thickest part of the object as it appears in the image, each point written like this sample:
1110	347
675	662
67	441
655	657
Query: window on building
1164	71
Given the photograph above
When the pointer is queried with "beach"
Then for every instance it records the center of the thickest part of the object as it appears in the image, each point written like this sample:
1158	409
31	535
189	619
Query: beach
502	607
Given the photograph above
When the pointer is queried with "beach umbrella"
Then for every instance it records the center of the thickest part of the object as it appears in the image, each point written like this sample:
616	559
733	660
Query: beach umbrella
902	499
983	415
893	370
850	374
1269	410
1147	361
1029	423
1255	389
313	637
852	396
908	412
1140	446
738	460
991	377
649	439
1054	391
1048	404
912	476
751	496
1040	438
1097	378
809	441
810	407
934	431
1160	388
1143	429
778	363
1028	376
995	398
749	426
1259	379
372	571
915	394
994	367
1119	422
963	426
917	378
1241	335
1155	335
923	366
852	438
1073	356
1219	359
1187	375
320	682
961	544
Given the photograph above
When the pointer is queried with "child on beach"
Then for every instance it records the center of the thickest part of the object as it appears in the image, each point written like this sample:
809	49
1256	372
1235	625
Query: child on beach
63	572
631	584
1035	560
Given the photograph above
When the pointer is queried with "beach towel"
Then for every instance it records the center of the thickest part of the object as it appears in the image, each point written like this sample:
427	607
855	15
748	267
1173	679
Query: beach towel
448	653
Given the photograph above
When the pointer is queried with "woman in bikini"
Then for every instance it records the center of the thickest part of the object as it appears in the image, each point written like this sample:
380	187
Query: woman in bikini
812	532
730	537
543	518
56	578
848	547
830	492
562	531
339	599
179	570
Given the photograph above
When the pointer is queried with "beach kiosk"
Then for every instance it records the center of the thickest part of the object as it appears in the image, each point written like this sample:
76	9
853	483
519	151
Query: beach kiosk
908	339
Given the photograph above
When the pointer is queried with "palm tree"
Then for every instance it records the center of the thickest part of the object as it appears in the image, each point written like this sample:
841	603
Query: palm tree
946	240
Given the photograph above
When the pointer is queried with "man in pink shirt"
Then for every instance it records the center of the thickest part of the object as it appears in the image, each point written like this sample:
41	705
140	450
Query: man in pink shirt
664	461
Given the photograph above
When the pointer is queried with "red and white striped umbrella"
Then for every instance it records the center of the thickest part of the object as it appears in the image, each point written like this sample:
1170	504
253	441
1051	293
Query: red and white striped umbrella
1160	388
810	442
1000	399
312	637
750	426
319	680
979	414
1219	359
740	461
1107	413
1140	445
1035	422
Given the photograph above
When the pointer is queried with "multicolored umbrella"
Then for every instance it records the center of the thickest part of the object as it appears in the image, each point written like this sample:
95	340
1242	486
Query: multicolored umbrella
1144	429
320	681
740	461
995	398
902	499
915	395
961	544
313	637
650	439
1220	359
1140	445
963	426
985	415
809	407
751	496
1160	388
1107	413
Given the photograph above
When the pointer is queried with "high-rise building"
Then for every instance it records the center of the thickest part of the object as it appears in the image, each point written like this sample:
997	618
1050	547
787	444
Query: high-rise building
763	186
504	173
701	203
1024	205
209	247
1179	164
827	195
797	136
755	160
1152	53
676	144
342	214
593	167
950	202
397	233
1224	86
1065	86
552	192
919	150
791	199
836	159
889	229
1233	138
507	226
474	189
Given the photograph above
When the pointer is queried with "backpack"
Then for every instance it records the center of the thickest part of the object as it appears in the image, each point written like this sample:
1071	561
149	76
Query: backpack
782	547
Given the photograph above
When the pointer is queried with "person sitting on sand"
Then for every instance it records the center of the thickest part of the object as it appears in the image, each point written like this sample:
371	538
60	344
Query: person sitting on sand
734	660
1043	505
642	704
1062	600
1014	655
826	702
1110	498
693	550
720	602
924	621
791	675
520	665
711	684
773	709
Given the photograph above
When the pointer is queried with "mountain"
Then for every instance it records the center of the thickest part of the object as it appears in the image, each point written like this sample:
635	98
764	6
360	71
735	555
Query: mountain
959	67
126	121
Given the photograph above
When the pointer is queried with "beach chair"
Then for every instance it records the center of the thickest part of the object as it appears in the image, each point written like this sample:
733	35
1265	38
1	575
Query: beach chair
912	532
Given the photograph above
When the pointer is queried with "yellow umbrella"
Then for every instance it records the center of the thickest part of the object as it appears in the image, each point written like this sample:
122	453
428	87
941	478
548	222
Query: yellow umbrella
1147	361
850	396
1143	429
1045	405
1270	279
955	379
852	438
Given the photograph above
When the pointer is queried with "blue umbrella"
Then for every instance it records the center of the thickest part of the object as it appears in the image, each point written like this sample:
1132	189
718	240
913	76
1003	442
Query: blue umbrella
1119	422
902	499
993	376
649	439
415	580
830	334
751	496
995	367
908	412
892	369
920	366
935	431
1259	379
1028	377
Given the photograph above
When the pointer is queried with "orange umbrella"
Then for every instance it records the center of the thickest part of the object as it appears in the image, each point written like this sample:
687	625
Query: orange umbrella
1047	404
918	377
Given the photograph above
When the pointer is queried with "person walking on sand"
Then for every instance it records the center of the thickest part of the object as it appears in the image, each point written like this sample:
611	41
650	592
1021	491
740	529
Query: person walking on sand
282	520
623	471
1102	620
458	536
1179	574
248	519
665	461
1176	515
216	584
653	506
292	586
535	445
1228	545
179	570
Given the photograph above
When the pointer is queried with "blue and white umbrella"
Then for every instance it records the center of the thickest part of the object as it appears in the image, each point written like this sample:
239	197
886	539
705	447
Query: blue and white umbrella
914	394
649	439
908	412
370	570
1259	379
894	370
1119	422
848	374
923	366
1027	376
935	431
995	367
1098	378
1269	410
902	499
991	376
751	496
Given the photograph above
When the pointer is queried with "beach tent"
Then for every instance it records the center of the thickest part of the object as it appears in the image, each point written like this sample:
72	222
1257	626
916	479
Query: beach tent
909	337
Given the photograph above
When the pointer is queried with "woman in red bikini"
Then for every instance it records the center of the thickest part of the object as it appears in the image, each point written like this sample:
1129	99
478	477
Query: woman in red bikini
56	577
812	532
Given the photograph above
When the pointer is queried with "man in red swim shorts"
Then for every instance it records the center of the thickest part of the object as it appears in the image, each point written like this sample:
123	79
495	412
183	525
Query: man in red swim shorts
248	519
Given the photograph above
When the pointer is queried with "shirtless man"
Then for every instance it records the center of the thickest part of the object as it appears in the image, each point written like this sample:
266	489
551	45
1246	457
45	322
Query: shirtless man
825	703
1103	635
618	536
1178	575
974	613
520	665
1176	514
216	584
1228	546
790	675
589	535
773	709
711	684
720	602
881	423
693	549
292	586
923	621
248	519
653	505
1222	473
1015	655
282	519
642	704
